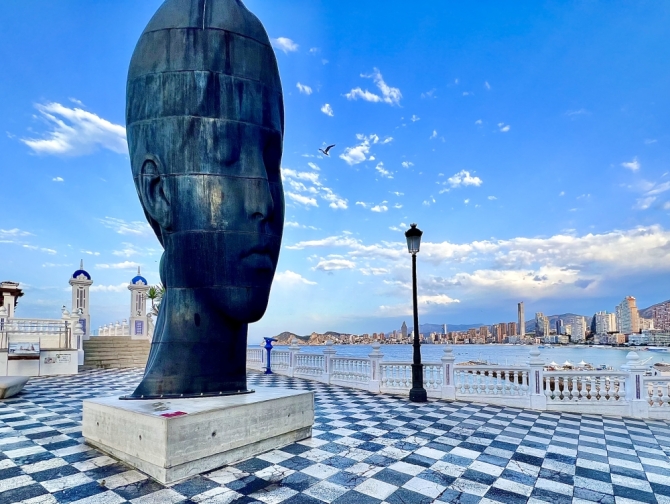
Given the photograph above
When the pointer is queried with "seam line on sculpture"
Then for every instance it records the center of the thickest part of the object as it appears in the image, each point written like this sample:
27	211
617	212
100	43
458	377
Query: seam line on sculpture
140	121
195	174
241	35
228	231
220	72
204	13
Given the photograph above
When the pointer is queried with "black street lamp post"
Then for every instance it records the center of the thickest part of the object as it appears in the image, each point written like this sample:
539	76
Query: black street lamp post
417	393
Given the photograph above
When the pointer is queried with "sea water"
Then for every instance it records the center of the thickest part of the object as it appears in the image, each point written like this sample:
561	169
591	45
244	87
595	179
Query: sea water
501	354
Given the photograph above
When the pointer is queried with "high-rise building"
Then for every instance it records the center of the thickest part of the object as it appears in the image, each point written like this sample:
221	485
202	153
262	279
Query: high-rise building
605	322
522	319
444	329
559	326
661	316
484	332
628	317
578	325
541	325
511	329
403	330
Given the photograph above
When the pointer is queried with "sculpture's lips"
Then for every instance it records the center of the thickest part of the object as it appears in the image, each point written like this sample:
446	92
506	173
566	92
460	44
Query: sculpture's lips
259	258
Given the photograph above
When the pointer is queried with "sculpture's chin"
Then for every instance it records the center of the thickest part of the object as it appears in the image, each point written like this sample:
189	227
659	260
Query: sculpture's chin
245	305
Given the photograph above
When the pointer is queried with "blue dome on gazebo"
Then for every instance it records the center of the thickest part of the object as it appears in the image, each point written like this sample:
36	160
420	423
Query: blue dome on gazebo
81	271
139	279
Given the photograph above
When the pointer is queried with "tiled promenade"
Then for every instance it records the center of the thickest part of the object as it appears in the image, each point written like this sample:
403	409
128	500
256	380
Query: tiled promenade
366	449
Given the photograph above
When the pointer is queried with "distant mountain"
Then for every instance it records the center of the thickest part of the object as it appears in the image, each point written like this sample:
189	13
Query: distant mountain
648	312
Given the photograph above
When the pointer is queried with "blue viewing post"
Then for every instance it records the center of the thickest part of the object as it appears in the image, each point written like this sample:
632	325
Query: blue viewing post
268	347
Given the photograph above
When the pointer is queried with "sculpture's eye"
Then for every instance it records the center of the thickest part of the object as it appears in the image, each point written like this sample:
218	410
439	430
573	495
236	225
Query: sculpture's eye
272	155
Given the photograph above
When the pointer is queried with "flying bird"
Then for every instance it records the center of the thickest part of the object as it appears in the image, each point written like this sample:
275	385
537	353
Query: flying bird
327	150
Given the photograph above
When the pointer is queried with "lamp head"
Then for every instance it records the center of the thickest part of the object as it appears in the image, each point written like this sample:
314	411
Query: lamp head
413	235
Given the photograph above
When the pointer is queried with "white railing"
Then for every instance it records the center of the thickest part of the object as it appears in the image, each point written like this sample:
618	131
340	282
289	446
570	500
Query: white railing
585	386
657	390
346	370
491	381
280	360
309	364
626	392
49	333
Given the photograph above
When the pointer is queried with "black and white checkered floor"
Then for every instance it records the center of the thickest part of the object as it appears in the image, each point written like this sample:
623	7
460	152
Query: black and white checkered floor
366	448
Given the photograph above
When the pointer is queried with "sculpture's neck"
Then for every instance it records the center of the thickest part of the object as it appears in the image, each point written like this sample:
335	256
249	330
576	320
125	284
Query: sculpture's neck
195	349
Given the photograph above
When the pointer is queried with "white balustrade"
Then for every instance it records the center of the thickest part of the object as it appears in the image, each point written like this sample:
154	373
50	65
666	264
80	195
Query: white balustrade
600	387
396	375
491	381
308	364
657	392
530	386
350	370
255	355
280	360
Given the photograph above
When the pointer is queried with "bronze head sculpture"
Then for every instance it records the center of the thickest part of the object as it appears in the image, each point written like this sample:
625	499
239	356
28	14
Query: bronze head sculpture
205	123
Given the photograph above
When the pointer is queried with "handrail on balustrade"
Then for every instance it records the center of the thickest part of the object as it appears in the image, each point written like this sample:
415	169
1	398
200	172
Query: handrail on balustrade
407	363
491	368
586	373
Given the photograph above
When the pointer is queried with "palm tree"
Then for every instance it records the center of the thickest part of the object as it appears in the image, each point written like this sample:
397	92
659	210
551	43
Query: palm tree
155	294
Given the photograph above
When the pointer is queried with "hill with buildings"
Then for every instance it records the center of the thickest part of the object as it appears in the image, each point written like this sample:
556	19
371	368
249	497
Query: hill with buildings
648	312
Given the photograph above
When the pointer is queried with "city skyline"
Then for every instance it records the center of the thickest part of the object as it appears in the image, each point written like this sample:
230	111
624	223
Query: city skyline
536	168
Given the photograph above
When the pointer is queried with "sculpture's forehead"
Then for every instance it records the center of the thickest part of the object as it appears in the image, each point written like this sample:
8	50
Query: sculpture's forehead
206	59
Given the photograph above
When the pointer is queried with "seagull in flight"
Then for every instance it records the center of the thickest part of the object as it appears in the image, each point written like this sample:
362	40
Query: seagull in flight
327	150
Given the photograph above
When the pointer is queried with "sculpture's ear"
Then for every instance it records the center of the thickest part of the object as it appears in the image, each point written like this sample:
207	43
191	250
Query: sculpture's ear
153	192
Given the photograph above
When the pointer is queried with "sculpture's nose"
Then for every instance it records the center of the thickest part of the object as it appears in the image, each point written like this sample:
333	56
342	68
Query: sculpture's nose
259	204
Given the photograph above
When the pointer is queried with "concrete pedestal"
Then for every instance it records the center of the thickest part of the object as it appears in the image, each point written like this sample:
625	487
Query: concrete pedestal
174	439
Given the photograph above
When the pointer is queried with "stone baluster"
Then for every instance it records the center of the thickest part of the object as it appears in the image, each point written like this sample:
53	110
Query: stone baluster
636	394
448	384
328	355
539	391
376	357
293	358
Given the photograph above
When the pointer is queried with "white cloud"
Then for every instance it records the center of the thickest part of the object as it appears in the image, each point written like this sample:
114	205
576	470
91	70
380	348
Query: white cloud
439	299
304	89
284	44
334	265
463	178
415	118
407	164
479	122
492	198
359	153
289	277
303	200
383	172
644	203
90	252
466	201
374	271
52	265
121	265
649	141
58	179
468	93
137	228
297	181
504	127
389	94
575	113
398	193
362	203
122	287
562	193
130	250
76	132
487	86
328	110
428	94
41	249
294	224
379	208
314	50
314	166
666	206
633	165
434	135
13	233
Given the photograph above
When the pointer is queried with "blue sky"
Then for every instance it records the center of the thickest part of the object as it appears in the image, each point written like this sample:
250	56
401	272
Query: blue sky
529	141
